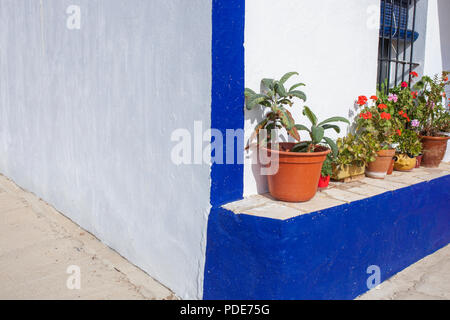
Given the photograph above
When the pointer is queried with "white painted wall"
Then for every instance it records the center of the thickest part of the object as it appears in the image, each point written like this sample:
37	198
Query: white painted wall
332	44
437	49
86	118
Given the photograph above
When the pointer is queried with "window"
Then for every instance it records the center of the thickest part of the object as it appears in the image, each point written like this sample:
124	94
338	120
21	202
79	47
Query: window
397	37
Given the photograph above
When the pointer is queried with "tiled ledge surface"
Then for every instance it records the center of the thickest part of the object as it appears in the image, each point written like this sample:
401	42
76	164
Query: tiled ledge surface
336	194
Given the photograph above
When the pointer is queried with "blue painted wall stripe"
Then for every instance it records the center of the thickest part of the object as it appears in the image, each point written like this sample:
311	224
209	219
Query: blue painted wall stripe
325	255
227	110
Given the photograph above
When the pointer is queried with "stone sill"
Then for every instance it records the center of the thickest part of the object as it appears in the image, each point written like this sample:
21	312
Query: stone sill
335	195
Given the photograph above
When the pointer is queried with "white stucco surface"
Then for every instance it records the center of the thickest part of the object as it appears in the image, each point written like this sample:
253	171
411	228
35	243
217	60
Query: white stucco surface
332	44
86	118
437	49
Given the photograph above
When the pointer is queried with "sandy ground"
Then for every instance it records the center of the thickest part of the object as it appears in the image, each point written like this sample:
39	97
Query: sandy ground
41	251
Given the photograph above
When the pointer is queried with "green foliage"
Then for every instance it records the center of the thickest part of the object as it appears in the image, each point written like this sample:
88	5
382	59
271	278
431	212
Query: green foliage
317	132
409	143
431	110
356	150
327	167
278	99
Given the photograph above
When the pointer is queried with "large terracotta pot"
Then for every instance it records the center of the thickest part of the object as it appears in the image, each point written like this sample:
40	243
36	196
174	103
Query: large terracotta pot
297	178
391	167
434	149
379	168
418	161
405	163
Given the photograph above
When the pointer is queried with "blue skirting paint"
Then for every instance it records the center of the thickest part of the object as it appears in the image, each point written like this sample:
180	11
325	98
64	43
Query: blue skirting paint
325	255
227	110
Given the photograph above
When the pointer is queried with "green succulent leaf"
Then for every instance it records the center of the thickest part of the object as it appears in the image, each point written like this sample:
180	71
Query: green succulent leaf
332	145
255	100
317	134
302	128
301	147
268	83
295	86
279	88
332	126
287	76
249	92
311	116
299	94
334	119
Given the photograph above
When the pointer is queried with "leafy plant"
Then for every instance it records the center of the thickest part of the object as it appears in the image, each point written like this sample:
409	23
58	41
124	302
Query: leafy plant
431	112
355	150
317	132
409	143
277	98
327	167
377	120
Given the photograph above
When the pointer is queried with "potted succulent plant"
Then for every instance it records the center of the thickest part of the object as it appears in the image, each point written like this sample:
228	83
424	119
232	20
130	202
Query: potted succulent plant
299	163
354	153
377	124
408	148
433	118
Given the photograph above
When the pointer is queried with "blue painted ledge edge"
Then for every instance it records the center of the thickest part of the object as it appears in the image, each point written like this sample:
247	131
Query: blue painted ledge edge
325	255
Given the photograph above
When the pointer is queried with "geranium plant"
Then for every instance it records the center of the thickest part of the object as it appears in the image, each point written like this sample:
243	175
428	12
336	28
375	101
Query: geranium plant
431	114
408	143
377	119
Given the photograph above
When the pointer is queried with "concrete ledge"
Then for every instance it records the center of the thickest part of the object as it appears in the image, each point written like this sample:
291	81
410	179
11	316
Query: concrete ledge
296	253
337	194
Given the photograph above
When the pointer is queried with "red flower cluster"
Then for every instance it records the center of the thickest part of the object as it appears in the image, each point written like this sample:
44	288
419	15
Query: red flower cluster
362	100
374	98
399	132
414	94
404	84
414	74
382	106
445	79
366	116
404	115
385	115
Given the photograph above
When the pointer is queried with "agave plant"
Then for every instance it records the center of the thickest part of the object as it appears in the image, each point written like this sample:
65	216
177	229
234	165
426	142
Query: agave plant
276	97
317	132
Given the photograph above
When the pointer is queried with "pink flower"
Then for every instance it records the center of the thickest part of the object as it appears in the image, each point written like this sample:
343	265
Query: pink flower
393	97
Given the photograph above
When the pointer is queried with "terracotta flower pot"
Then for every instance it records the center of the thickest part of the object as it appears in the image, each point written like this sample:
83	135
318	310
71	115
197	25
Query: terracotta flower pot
297	178
418	161
434	149
324	181
379	168
405	163
391	167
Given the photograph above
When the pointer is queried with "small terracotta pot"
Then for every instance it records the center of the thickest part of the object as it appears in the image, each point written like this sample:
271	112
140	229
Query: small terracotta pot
391	167
379	168
434	149
418	161
324	181
405	163
297	177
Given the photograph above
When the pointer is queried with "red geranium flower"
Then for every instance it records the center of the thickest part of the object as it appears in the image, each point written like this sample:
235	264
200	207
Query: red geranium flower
401	112
414	74
374	98
382	106
399	132
366	116
446	79
404	84
362	100
385	115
